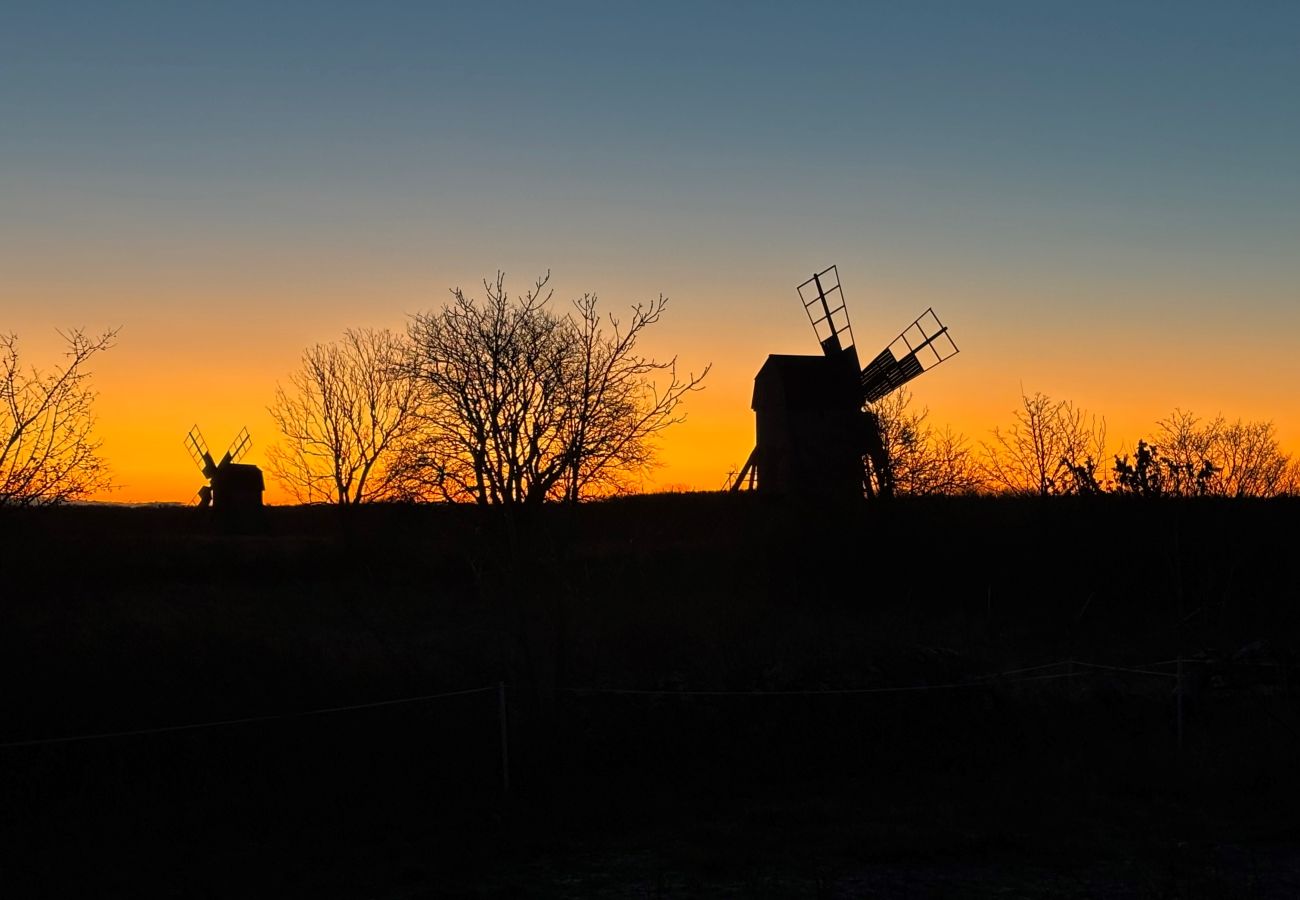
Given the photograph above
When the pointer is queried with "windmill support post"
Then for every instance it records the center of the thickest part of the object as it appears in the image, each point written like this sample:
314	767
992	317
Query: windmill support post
505	738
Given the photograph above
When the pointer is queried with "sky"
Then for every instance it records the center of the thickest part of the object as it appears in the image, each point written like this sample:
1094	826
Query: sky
1101	200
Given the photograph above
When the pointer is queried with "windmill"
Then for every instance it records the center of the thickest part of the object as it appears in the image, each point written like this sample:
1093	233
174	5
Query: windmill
815	434
232	486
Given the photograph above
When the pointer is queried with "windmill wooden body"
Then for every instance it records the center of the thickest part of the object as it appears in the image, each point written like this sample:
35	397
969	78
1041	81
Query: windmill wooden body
232	486
815	432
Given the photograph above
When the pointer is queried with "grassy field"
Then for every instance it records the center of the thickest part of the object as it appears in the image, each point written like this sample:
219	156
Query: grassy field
827	701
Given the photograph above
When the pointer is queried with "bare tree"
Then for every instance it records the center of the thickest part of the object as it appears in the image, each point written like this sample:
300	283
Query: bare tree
48	452
1290	484
1251	461
1221	458
524	405
1052	447
1182	452
620	400
924	460
347	414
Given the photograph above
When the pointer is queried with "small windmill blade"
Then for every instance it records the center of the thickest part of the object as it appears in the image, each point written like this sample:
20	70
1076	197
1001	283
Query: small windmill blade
198	450
238	447
921	346
823	301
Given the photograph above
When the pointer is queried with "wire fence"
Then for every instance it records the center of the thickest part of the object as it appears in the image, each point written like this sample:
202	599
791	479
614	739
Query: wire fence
1005	677
1060	670
242	720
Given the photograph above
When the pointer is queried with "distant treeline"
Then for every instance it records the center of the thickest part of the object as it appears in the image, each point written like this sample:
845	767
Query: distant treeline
1053	447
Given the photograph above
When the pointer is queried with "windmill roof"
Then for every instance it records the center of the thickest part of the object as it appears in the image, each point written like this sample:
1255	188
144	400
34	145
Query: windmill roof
804	382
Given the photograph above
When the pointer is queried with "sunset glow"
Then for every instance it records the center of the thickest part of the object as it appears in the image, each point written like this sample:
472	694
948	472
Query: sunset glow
1103	204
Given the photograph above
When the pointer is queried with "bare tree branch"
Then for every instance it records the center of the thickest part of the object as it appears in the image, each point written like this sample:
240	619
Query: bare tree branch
347	413
923	460
1052	447
48	452
523	405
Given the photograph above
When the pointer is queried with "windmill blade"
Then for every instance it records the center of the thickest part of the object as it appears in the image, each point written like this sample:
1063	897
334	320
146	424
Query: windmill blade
198	450
823	301
238	447
921	346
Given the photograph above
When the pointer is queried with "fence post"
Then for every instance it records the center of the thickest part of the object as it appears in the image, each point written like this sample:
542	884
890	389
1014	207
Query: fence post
1179	693
505	738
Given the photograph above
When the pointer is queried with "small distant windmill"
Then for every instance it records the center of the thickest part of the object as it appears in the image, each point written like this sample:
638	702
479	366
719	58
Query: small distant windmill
232	485
814	433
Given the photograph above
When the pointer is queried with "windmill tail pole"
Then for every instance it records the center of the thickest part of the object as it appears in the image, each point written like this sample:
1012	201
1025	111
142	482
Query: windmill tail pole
746	472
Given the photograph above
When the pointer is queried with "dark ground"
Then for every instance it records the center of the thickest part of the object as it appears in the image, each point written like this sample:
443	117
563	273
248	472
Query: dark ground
117	620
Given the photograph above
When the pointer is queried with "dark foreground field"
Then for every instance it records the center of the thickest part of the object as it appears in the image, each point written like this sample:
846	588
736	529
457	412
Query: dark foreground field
706	695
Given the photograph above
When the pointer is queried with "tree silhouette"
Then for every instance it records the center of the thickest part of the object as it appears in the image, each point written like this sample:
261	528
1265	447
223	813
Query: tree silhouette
1144	476
348	412
1216	457
1052	447
523	405
48	452
923	460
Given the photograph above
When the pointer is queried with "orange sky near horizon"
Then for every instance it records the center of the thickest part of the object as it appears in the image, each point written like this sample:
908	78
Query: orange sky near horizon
175	370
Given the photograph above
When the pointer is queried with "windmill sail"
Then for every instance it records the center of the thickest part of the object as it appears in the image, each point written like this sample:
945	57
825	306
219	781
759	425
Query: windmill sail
198	450
823	301
239	446
922	346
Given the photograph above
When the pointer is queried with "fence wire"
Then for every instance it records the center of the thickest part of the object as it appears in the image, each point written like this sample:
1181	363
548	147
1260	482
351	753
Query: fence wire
992	679
243	720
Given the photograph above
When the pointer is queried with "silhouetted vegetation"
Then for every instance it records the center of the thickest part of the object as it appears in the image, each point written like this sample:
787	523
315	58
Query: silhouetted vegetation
497	402
1051	448
348	413
1054	448
924	460
48	451
1188	457
521	404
